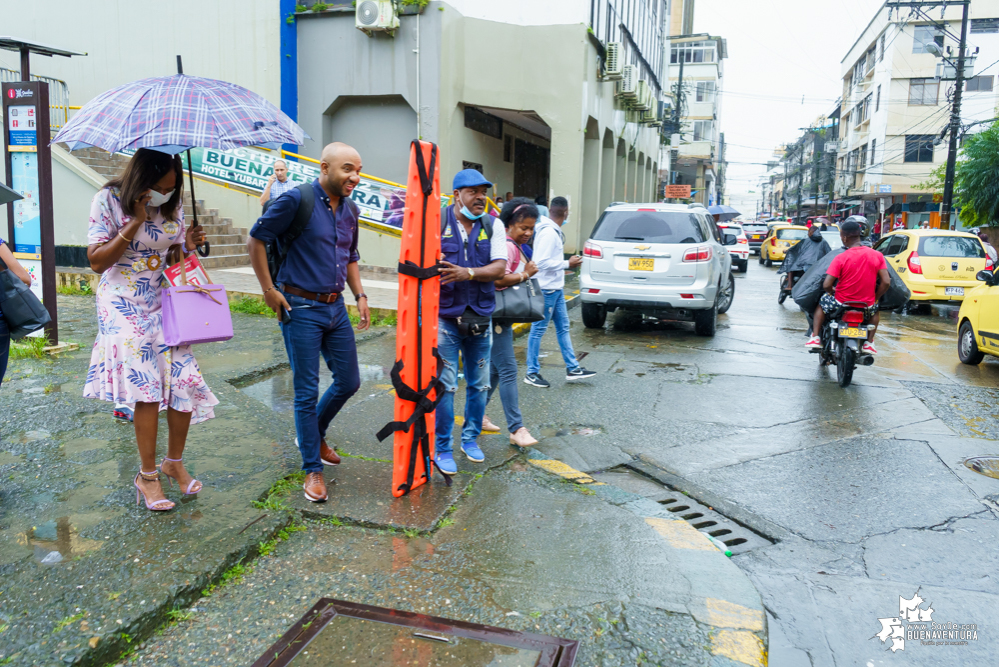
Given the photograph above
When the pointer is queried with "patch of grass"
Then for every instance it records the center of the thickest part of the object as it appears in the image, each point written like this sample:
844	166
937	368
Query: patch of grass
114	596
445	522
83	289
29	347
278	493
127	637
178	615
250	306
577	487
69	620
266	548
411	532
319	7
535	614
3	627
363	458
389	320
419	3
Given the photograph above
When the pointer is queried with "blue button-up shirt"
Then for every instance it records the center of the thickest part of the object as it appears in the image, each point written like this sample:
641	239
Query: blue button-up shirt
278	188
317	260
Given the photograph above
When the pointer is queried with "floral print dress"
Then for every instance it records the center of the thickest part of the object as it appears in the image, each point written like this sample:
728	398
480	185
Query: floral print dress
130	362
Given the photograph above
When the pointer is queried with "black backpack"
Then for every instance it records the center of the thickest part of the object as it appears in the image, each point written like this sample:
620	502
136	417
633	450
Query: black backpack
277	250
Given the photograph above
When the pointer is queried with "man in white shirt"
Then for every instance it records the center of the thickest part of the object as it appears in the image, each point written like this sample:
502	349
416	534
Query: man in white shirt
549	255
277	184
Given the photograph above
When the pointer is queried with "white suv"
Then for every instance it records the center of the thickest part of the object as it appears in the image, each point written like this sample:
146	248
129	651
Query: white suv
665	260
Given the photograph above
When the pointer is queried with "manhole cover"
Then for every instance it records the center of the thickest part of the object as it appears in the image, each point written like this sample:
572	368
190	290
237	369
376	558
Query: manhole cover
335	633
984	465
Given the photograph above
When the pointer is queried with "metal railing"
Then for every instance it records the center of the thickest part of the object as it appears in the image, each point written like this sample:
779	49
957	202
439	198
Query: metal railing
59	106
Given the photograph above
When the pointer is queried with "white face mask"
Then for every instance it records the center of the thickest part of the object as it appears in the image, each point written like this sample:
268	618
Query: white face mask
156	199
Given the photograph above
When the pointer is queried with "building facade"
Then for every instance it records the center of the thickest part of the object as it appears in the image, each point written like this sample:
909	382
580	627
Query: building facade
696	75
895	107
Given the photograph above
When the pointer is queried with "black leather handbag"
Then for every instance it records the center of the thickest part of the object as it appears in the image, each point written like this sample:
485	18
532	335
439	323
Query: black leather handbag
520	303
23	311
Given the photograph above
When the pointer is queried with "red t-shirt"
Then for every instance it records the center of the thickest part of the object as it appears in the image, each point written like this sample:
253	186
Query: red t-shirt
856	271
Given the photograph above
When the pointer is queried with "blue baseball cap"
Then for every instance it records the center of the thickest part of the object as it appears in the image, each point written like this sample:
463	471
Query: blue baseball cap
470	178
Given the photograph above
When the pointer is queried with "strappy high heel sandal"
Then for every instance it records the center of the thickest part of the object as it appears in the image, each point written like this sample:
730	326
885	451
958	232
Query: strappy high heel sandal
161	505
190	486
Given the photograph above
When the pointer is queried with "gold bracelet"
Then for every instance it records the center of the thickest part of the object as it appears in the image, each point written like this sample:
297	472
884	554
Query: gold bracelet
124	237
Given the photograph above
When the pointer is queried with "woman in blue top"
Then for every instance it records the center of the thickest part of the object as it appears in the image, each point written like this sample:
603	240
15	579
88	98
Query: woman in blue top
8	258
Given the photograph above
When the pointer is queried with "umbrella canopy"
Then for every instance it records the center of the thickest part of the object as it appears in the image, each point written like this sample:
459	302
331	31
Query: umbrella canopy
726	212
175	113
7	195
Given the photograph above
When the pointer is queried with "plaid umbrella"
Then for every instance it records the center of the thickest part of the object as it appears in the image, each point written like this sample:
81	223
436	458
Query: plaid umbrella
175	113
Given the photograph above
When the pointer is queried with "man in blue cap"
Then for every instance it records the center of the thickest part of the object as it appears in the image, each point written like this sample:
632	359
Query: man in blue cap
473	246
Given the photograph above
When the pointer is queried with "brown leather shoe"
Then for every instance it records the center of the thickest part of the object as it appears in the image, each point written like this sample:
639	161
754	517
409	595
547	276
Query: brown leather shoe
315	487
328	455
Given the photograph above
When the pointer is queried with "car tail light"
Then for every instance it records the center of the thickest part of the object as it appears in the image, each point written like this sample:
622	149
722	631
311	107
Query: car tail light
853	317
590	290
698	254
591	249
915	264
988	264
743	241
773	241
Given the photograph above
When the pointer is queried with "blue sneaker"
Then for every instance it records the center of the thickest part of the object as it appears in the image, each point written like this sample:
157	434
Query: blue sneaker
473	452
445	463
124	413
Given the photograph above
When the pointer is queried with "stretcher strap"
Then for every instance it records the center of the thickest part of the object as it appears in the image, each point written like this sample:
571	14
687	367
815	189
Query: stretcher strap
417	421
426	177
408	268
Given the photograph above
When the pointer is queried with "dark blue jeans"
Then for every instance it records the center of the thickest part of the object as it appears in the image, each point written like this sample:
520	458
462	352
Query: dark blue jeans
504	375
4	347
315	328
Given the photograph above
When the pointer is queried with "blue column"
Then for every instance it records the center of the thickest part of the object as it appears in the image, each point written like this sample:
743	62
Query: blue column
289	64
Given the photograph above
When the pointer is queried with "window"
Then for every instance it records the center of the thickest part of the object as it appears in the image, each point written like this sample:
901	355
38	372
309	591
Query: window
984	25
874	143
651	227
877	99
862	163
977	84
705	91
919	147
871	57
703	130
866	113
693	52
881	49
951	246
854	160
923	92
895	244
924	34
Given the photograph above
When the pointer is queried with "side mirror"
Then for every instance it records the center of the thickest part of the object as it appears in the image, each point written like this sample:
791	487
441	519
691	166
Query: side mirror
730	239
986	277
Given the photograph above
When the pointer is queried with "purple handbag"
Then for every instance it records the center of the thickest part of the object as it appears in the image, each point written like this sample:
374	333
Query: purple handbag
195	313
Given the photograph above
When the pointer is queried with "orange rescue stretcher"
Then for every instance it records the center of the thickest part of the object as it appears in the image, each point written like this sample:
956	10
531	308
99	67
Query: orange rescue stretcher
415	375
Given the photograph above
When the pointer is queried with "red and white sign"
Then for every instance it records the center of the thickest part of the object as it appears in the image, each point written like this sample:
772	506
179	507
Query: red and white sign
196	274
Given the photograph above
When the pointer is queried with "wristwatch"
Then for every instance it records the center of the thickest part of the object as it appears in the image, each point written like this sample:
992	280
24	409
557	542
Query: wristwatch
471	274
358	297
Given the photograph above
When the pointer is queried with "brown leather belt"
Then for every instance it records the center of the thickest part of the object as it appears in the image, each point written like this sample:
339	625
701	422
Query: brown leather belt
312	296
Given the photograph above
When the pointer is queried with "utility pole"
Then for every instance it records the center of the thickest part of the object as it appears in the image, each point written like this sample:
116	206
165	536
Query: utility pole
801	177
816	158
955	112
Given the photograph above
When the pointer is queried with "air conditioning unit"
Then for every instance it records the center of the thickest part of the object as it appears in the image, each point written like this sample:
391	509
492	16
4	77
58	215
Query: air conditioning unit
612	62
627	87
649	116
643	96
372	16
632	116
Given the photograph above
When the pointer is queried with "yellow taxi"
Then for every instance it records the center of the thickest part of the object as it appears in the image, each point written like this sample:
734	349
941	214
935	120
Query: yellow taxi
779	240
978	321
937	265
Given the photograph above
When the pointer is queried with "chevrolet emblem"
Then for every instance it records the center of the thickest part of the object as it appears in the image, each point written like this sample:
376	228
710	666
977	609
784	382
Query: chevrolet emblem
642	247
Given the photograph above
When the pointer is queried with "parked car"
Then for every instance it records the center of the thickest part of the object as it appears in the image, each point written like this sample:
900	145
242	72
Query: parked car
755	232
665	260
978	321
937	265
740	251
779	240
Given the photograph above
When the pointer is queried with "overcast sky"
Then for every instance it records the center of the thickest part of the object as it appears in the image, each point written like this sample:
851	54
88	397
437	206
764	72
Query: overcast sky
778	52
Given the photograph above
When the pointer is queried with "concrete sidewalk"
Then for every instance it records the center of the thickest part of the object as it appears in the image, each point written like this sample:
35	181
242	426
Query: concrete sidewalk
521	541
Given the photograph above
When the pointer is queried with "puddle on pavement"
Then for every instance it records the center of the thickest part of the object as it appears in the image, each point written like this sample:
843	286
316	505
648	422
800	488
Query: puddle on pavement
278	391
57	540
32	436
555	431
984	465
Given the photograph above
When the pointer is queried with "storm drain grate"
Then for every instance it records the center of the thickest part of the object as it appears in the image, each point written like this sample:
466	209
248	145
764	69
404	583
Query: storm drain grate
736	537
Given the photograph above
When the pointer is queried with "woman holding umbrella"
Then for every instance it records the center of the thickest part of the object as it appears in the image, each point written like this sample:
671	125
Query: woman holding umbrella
136	221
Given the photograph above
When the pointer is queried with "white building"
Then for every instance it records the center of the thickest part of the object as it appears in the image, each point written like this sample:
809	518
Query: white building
894	109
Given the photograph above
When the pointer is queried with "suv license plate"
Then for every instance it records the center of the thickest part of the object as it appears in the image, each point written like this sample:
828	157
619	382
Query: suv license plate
852	333
954	291
641	264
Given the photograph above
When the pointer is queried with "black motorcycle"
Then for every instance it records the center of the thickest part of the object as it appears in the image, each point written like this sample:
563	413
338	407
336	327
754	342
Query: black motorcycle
843	337
785	291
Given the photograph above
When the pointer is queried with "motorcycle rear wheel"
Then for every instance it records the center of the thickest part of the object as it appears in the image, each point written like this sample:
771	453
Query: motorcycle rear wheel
845	362
782	295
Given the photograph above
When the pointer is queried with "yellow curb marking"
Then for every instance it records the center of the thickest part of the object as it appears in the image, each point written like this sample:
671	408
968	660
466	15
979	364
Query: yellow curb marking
725	614
680	534
562	470
383	386
739	645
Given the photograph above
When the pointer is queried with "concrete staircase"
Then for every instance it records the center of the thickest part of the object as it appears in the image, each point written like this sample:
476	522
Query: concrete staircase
228	243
